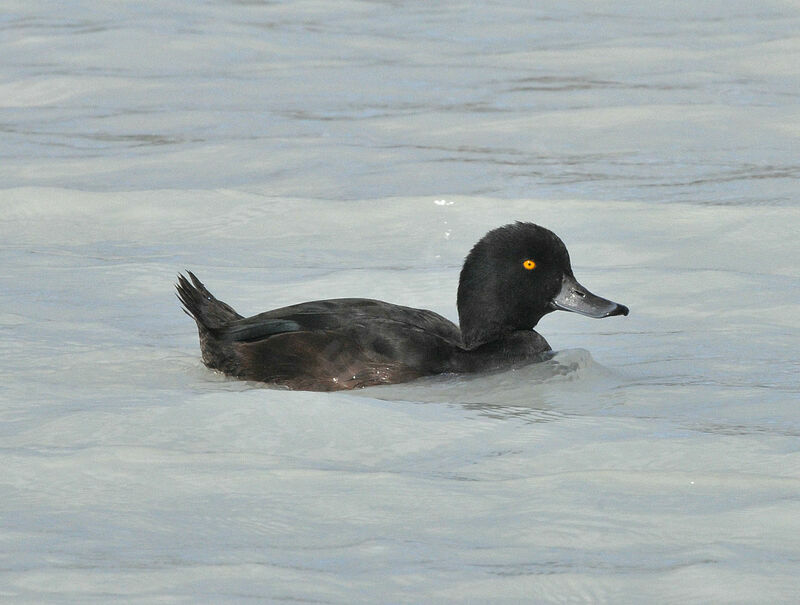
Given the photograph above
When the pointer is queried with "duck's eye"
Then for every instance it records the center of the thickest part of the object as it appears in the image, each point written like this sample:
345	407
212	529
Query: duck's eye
529	264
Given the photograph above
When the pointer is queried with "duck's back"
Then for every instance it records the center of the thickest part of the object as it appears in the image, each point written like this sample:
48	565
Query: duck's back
342	312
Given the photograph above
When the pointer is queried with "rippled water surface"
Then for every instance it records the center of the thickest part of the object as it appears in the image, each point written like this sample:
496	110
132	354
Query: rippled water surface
286	151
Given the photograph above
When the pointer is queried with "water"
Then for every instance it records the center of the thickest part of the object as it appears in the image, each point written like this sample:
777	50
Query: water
289	151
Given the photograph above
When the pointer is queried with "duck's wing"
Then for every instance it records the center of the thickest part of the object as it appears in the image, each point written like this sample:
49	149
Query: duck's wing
322	361
253	329
337	314
366	352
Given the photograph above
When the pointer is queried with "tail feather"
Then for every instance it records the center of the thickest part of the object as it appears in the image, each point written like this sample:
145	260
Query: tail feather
202	306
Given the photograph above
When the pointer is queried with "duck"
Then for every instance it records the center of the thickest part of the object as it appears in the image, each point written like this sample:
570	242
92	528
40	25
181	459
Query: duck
515	275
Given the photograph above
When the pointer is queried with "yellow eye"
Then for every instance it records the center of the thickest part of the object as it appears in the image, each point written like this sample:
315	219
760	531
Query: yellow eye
529	264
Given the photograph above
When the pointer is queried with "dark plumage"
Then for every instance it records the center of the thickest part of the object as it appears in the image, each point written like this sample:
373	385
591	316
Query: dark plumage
511	278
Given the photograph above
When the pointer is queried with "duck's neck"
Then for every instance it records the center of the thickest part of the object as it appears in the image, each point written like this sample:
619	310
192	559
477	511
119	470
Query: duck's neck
482	316
478	328
486	315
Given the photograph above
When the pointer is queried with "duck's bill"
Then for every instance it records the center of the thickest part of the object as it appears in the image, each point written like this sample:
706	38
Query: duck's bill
574	297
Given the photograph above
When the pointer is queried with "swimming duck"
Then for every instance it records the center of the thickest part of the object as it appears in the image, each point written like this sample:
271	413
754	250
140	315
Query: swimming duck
511	278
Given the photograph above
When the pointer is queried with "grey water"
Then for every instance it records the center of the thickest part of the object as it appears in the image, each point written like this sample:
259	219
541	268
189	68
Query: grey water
287	151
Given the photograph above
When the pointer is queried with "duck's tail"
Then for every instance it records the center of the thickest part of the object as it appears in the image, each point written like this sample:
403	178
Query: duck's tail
211	314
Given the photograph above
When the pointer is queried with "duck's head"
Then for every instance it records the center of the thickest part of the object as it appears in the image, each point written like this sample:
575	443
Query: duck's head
513	277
